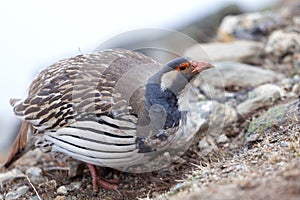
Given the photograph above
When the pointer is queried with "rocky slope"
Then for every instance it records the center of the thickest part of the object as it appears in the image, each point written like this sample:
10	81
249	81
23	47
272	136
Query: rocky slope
247	148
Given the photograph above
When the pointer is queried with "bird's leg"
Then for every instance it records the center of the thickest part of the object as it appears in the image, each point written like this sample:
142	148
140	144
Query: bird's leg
97	180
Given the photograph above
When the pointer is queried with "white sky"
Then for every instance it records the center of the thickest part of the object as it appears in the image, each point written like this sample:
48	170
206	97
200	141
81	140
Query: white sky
35	34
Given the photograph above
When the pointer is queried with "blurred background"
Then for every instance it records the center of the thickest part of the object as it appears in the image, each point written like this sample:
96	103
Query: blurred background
35	34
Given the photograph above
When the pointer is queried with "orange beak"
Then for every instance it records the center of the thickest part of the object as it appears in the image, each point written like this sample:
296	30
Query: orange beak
200	66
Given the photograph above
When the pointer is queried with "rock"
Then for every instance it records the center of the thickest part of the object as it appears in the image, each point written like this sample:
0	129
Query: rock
62	190
243	51
73	186
216	116
287	84
33	171
267	88
222	139
205	147
17	193
234	75
284	144
282	43
265	122
296	20
34	174
296	89
221	116
262	96
10	175
250	26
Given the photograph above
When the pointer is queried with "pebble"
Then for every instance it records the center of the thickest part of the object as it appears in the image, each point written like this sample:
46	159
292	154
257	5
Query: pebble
62	190
267	88
287	84
218	51
263	96
33	171
34	174
284	144
296	89
282	43
178	186
73	186
205	147
222	139
10	175
17	193
249	26
244	76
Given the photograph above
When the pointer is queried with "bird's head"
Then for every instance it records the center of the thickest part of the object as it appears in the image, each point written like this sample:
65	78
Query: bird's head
188	68
180	71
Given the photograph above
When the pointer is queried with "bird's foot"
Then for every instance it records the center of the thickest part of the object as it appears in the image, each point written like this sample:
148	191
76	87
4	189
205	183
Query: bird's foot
111	184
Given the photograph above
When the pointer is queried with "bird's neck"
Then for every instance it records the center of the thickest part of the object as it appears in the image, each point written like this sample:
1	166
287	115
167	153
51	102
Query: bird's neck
169	80
158	94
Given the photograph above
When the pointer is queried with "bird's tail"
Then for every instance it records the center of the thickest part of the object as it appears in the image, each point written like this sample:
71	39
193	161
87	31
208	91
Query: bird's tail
19	145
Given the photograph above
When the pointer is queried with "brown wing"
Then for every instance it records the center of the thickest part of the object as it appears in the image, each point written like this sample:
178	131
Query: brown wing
71	88
80	85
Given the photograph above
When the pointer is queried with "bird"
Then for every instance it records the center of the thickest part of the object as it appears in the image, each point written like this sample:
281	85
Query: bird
108	108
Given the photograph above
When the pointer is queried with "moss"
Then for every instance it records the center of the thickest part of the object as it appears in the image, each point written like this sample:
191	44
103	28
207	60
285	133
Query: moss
267	120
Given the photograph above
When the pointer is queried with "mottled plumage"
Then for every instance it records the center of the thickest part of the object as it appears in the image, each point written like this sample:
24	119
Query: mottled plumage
108	108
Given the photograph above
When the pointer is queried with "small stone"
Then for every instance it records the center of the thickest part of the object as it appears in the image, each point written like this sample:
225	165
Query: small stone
178	186
287	84
62	190
34	171
284	144
10	175
244	51
244	76
34	174
17	193
73	186
205	147
166	155
296	89
262	96
267	88
249	26
282	43
222	139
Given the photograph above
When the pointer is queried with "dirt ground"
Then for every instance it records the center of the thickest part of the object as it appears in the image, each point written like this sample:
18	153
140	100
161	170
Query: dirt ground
264	168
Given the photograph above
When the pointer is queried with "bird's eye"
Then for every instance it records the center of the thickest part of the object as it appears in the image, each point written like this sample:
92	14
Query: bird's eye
183	66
